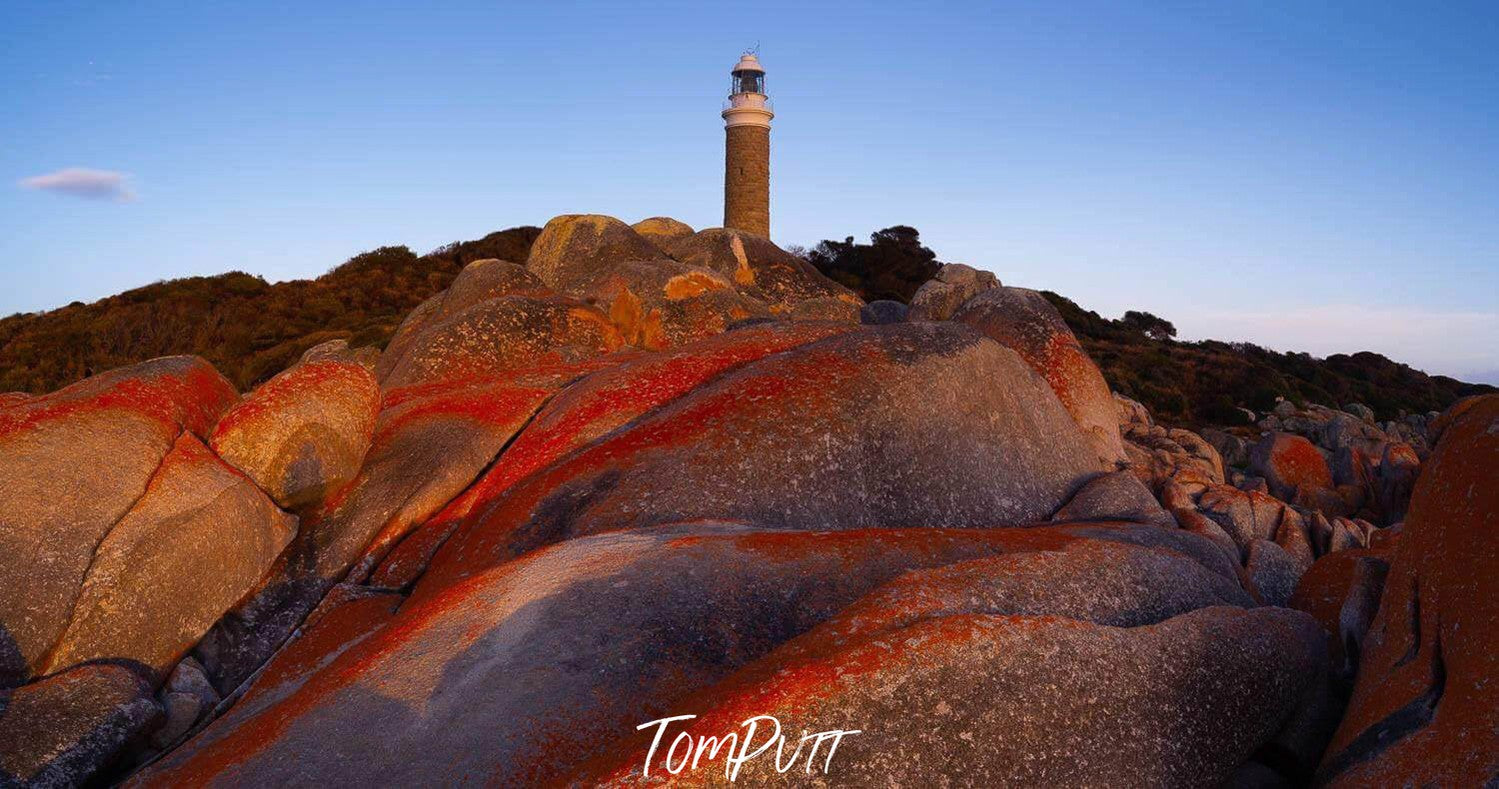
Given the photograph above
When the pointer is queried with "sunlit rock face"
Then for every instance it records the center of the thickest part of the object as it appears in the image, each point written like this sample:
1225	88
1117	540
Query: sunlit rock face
650	471
302	435
73	464
662	230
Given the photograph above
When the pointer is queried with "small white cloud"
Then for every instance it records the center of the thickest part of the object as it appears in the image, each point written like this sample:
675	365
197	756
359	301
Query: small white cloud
85	183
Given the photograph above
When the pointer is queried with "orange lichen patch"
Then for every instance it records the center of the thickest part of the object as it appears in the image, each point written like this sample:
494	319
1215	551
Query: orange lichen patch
602	402
637	325
178	391
1425	708
744	274
693	283
9	399
1298	463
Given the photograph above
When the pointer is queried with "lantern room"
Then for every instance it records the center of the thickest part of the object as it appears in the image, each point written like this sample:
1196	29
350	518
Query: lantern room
748	76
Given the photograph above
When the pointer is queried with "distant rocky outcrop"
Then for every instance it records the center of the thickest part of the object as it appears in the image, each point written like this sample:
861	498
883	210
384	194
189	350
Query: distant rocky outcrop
648	471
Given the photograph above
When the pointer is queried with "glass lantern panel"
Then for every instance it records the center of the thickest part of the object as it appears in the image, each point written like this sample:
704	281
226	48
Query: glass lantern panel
749	82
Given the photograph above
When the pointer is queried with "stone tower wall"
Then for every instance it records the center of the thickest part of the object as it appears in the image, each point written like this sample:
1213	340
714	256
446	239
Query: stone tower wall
746	182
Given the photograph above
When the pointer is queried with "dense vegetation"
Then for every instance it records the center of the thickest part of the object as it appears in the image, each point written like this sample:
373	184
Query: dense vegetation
891	266
1196	383
246	327
251	330
1181	383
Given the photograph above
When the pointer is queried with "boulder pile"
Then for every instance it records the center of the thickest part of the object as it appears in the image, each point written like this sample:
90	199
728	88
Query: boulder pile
651	472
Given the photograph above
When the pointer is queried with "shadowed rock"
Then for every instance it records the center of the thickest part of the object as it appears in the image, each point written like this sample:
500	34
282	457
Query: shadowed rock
518	674
61	730
1005	700
1425	707
1272	573
1112	496
879	313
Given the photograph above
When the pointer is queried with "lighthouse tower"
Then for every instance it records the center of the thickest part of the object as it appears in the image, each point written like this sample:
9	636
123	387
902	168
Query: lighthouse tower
746	177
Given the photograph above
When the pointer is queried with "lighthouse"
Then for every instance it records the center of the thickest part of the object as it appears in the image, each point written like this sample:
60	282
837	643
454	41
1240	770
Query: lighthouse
746	177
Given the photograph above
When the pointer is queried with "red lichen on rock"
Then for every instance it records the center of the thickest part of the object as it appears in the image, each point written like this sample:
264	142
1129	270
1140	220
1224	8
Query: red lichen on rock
181	391
1289	463
586	410
1425	708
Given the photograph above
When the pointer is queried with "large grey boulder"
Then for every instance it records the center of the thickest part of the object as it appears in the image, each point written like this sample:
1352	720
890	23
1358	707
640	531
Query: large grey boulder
879	426
941	296
1025	321
1006	700
523	672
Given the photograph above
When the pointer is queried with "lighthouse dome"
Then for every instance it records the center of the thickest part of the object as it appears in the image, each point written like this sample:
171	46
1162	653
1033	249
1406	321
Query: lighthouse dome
748	62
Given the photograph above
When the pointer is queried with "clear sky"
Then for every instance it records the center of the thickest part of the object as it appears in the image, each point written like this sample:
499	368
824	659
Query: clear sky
1309	176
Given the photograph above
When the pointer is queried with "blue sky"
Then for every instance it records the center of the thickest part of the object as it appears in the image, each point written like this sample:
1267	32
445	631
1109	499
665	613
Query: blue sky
1309	176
